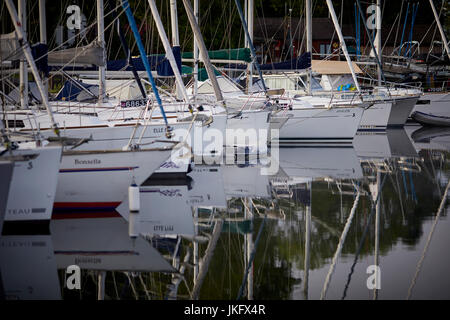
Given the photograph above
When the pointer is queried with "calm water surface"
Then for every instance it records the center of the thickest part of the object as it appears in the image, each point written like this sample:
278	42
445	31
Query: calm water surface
228	232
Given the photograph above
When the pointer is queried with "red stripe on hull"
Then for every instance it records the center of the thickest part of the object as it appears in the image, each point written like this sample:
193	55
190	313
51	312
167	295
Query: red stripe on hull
85	215
85	204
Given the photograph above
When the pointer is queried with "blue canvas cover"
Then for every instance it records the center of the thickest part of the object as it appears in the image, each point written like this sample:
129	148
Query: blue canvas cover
158	63
70	90
299	63
164	68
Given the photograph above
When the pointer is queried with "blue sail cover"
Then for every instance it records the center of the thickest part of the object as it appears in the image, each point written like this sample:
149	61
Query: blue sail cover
300	63
70	90
158	63
164	68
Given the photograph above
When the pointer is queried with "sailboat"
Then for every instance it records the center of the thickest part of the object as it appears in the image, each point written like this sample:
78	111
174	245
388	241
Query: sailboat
385	107
307	120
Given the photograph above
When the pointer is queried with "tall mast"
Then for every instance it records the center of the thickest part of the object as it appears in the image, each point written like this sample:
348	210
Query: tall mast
250	22
43	34
26	48
309	39
378	39
246	15
203	52
168	49
174	23
444	39
101	42
196	52
341	39
23	70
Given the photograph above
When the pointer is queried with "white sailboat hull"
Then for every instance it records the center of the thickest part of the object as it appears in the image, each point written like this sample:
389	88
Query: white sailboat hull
376	117
320	126
248	131
33	184
101	179
388	114
434	103
401	110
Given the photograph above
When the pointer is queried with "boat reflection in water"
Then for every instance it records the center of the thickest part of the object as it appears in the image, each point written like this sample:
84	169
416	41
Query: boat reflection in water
383	145
310	231
28	267
432	138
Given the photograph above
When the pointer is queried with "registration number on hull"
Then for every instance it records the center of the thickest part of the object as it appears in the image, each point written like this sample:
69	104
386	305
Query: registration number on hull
133	103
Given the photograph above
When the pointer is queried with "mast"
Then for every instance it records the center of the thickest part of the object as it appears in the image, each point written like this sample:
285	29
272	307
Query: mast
250	39
444	39
144	59
23	69
168	49
309	40
203	52
341	39
378	38
43	35
174	23
246	15
175	38
250	42
196	52
101	42
291	42
26	49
